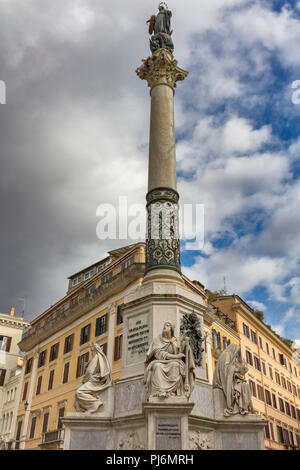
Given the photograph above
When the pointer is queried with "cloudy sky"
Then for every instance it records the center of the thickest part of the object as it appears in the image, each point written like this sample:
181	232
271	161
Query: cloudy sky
74	135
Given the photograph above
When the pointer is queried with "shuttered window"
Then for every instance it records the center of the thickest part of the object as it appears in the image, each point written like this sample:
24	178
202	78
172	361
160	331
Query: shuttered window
54	352
2	376
39	385
81	363
118	348
101	325
28	365
68	343
25	391
45	422
61	414
51	379
66	372
32	427
85	334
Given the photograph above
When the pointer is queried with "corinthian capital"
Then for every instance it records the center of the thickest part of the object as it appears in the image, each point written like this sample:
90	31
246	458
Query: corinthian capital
161	69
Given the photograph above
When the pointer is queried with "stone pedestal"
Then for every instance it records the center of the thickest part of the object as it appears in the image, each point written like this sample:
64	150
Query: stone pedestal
167	423
144	314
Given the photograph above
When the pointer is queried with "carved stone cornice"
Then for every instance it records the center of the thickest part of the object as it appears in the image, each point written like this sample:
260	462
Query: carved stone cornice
161	69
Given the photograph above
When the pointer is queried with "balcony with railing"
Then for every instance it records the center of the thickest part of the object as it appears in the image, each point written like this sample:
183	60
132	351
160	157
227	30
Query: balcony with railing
53	438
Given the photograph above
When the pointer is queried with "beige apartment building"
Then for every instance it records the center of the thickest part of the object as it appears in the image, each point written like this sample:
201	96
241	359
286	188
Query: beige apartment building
274	373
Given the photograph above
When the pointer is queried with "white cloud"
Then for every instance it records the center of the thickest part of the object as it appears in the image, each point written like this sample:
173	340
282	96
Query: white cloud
257	305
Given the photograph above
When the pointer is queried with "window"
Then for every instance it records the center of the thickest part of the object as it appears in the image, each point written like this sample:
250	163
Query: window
90	289
106	278
101	325
118	348
42	358
292	441
51	379
267	432
54	352
281	359
289	386
81	363
18	434
268	397
246	330
85	334
294	390
274	400
287	408
271	372
32	428
119	315
274	354
2	376
127	263
249	358
260	392
25	391
88	275
45	422
272	431
280	434
76	281
277	377
253	337
281	405
264	368
68	343
28	366
283	382
5	343
260	342
61	414
39	385
267	348
66	372
293	411
256	363
252	387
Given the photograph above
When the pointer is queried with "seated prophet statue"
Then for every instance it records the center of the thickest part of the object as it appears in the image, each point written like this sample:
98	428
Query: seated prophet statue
229	377
169	365
97	378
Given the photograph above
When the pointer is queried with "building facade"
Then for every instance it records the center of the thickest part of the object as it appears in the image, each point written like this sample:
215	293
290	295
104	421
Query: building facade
11	362
274	373
57	343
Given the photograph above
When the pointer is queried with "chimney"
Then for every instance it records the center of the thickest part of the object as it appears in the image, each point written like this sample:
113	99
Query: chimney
12	312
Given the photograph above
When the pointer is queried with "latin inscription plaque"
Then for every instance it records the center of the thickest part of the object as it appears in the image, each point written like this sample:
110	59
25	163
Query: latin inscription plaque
138	333
168	434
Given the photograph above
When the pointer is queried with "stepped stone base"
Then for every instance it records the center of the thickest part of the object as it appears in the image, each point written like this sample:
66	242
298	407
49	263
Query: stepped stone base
129	422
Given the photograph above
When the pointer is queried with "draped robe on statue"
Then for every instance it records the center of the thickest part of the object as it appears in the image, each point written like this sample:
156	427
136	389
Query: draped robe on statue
227	377
97	377
165	377
163	22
